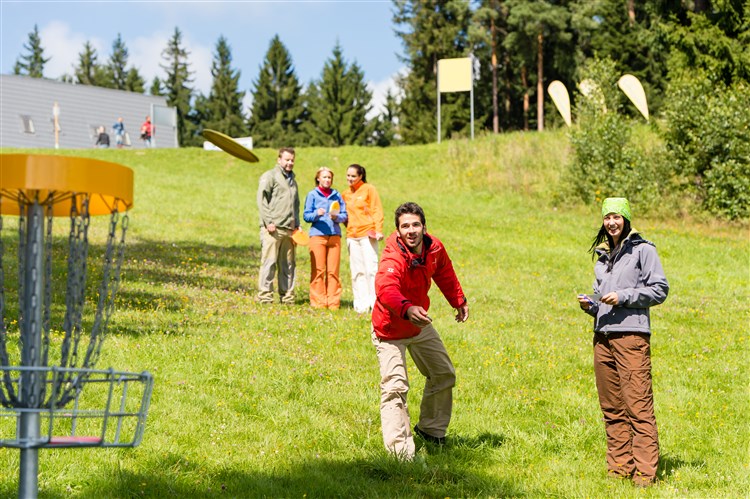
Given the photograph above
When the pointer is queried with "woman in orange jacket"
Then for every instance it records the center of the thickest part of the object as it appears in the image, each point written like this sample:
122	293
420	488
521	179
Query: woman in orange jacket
363	231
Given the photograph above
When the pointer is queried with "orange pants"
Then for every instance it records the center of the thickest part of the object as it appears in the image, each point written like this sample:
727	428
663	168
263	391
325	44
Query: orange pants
325	259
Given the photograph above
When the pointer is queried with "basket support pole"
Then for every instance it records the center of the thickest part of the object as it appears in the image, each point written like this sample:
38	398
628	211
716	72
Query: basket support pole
32	381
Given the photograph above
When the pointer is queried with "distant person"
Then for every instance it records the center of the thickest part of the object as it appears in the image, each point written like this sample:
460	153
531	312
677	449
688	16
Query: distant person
629	280
363	231
102	139
412	259
278	206
326	211
147	131
119	129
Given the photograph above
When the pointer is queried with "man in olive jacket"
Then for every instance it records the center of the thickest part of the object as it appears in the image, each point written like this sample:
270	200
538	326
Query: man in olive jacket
278	207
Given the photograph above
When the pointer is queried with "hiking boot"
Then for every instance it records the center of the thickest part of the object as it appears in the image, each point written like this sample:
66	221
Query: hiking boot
429	438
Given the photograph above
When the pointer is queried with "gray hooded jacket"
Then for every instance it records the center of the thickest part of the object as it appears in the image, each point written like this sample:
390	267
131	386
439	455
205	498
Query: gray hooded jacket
638	278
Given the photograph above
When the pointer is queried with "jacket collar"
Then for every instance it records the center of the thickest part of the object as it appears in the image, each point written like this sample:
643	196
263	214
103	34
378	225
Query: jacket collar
632	239
412	259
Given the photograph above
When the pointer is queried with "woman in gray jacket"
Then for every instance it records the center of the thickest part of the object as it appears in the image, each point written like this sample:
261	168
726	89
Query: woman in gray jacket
629	280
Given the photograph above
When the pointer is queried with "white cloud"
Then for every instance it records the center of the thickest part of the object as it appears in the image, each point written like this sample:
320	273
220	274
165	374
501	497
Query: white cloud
146	55
62	46
380	89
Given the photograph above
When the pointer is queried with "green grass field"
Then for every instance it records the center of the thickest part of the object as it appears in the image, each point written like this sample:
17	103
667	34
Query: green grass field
254	401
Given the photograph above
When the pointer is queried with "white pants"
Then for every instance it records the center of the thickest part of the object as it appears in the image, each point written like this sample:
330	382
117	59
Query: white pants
363	261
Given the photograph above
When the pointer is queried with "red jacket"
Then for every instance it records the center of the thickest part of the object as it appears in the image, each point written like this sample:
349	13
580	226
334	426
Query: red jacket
404	279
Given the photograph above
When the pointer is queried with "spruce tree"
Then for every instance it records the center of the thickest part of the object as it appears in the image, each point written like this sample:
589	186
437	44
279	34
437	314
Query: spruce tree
222	110
118	63
386	127
156	87
134	82
88	71
431	30
338	104
277	111
32	63
176	86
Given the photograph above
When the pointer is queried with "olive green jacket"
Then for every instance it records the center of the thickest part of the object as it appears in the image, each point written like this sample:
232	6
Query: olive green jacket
278	200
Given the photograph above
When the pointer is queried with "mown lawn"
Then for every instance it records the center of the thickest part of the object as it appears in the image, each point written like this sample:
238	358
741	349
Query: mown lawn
276	401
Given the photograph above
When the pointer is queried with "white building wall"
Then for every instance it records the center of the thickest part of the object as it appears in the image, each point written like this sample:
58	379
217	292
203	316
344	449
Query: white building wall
83	108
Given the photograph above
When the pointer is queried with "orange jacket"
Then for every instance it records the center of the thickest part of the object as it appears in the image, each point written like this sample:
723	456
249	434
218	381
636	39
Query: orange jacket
404	279
364	209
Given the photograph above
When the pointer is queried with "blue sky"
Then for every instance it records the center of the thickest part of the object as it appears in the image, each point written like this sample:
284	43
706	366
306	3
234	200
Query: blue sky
309	29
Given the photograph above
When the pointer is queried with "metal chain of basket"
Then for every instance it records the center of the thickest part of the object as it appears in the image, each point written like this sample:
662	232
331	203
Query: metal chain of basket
67	383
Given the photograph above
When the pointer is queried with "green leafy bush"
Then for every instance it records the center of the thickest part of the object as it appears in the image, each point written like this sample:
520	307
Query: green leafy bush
707	135
608	161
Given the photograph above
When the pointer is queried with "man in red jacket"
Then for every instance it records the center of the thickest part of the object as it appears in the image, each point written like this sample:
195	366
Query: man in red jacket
411	260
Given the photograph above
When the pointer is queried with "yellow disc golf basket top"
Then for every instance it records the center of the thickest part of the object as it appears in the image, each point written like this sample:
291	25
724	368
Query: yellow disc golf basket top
51	395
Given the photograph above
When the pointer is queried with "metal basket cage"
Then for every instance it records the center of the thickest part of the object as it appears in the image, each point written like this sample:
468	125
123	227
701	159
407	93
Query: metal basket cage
108	408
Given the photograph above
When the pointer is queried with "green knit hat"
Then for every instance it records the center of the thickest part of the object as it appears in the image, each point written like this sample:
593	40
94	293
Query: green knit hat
616	205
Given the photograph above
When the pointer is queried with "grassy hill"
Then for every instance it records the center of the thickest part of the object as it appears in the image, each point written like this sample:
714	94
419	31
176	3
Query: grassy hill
276	401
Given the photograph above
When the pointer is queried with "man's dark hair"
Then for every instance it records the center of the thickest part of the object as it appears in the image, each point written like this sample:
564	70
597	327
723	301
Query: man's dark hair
360	171
290	150
410	209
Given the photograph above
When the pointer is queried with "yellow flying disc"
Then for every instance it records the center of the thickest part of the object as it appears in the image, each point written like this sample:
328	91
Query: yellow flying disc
229	145
335	208
300	237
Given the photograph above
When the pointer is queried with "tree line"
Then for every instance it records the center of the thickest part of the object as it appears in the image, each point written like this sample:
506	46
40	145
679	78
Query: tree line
520	45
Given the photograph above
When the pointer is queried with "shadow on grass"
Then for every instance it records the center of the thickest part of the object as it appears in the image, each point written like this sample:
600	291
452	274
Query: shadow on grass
668	464
376	477
483	440
190	264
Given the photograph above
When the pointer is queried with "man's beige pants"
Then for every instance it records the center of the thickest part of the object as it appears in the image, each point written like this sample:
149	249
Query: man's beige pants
431	358
276	252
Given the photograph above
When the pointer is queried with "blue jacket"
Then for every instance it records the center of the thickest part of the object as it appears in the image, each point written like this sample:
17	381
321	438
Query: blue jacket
324	225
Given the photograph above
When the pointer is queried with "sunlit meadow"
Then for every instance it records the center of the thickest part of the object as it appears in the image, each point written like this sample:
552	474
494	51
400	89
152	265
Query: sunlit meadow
282	401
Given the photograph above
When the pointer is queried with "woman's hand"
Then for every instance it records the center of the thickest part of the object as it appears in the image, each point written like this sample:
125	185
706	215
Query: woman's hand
610	298
321	212
584	301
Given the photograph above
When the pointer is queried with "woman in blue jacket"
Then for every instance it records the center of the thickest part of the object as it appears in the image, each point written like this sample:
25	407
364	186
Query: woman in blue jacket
629	280
325	210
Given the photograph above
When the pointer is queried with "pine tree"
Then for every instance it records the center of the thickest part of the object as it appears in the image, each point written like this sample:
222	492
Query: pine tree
339	104
222	110
117	64
386	127
88	71
134	82
487	32
156	87
176	86
32	63
431	30
277	111
534	23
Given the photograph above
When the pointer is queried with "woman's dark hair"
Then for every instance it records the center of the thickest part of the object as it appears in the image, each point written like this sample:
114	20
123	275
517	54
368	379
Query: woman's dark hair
411	209
603	234
360	171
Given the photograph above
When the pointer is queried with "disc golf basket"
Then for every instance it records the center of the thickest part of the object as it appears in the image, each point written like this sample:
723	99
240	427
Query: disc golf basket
50	392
